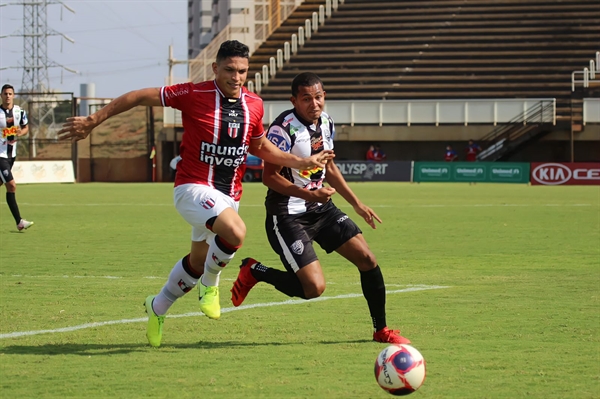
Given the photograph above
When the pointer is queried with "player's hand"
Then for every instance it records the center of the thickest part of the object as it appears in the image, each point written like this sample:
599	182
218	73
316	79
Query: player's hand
77	128
323	195
367	213
318	160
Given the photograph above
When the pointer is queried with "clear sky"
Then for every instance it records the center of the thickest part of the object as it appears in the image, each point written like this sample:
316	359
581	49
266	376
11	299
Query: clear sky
120	45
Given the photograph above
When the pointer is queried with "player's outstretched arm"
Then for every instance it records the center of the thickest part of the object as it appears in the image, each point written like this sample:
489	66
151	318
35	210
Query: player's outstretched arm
266	150
336	180
79	127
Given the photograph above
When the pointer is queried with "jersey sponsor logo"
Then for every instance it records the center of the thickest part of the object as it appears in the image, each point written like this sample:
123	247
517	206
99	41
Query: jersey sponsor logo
307	173
340	220
278	137
184	287
223	155
180	91
9	131
316	143
233	113
297	247
233	129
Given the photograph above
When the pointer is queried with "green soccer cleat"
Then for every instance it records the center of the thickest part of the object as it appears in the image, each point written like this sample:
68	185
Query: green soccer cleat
155	324
209	301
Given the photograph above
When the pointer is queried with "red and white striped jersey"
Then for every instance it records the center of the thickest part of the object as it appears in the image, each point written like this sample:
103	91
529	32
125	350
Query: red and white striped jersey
216	134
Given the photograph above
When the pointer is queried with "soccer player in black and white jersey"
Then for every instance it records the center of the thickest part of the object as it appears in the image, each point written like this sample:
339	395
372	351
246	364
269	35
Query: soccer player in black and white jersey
300	212
13	124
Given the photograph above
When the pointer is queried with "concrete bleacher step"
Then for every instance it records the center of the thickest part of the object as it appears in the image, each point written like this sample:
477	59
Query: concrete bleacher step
440	49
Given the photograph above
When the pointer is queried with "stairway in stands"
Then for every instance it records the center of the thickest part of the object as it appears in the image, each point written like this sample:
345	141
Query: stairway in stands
441	49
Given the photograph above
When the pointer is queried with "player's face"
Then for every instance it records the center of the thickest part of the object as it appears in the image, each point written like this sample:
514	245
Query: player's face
8	96
230	75
309	102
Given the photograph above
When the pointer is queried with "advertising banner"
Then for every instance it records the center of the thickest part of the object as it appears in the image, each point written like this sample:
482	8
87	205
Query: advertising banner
471	172
43	172
375	171
577	173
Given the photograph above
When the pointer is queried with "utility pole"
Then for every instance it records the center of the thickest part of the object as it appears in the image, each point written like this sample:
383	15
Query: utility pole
35	34
172	63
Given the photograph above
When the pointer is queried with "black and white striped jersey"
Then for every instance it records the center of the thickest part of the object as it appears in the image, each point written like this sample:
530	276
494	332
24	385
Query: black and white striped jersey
293	135
9	120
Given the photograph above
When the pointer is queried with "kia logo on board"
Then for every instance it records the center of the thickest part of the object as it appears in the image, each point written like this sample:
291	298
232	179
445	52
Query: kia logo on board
551	174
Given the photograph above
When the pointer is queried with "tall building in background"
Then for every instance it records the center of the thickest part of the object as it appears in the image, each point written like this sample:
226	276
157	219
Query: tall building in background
206	18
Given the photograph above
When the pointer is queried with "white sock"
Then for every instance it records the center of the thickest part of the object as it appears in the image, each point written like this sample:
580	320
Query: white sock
219	255
178	284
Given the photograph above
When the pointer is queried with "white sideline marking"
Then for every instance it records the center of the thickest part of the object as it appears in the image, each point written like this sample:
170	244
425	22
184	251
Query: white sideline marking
225	310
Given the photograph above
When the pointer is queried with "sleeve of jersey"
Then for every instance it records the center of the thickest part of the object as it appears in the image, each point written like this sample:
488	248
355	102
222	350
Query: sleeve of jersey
258	131
176	96
280	137
24	120
332	133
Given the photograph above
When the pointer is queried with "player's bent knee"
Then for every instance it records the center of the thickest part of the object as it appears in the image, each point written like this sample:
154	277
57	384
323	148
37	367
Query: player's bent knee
366	261
314	291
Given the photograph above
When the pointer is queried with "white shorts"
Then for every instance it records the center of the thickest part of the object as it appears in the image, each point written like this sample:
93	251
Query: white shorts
197	204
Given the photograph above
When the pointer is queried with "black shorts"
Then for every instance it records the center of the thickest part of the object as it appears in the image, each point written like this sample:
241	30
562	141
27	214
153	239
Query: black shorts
291	236
6	165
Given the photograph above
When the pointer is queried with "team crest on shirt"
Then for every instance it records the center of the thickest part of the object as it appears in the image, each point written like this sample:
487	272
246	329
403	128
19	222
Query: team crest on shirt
233	129
297	247
207	203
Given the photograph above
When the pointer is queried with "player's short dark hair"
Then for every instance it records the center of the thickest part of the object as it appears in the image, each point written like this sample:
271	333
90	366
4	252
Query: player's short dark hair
306	79
232	48
5	87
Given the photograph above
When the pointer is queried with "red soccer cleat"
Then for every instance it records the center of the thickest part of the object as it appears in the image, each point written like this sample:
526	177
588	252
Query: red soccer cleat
388	336
244	282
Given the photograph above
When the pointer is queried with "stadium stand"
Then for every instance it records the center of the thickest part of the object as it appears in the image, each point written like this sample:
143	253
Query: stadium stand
441	49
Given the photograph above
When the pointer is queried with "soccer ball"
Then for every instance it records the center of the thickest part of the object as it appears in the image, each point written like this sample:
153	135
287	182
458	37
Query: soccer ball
400	369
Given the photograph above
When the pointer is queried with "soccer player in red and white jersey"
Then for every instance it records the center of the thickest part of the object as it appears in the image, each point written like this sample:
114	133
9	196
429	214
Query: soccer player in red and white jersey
222	122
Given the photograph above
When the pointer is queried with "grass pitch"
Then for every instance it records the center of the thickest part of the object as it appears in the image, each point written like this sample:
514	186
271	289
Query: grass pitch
519	317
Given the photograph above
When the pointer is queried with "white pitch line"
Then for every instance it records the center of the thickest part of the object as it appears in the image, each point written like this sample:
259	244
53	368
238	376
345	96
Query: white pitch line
225	310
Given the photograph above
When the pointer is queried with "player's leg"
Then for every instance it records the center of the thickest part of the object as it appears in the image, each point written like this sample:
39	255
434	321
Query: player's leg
357	251
11	193
229	233
182	279
303	276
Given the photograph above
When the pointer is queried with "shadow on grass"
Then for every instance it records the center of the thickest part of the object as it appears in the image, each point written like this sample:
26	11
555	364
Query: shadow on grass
121	349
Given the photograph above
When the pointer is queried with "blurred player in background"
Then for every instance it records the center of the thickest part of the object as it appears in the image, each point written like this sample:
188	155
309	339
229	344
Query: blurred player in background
300	211
13	124
472	150
222	121
450	155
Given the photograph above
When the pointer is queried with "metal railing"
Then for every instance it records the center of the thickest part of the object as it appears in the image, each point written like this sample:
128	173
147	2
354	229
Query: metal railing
521	128
588	74
268	71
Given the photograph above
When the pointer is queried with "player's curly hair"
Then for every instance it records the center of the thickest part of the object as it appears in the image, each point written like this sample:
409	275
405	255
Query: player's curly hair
305	79
232	48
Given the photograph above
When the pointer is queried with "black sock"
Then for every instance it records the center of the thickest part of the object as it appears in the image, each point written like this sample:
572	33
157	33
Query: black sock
285	282
373	289
11	200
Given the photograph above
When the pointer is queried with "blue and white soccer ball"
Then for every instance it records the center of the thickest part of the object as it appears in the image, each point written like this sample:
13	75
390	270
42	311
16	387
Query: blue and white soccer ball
400	369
